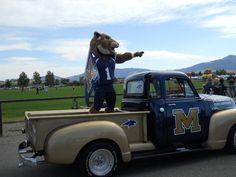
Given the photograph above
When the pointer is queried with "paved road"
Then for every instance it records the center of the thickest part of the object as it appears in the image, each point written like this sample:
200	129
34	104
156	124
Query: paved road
197	164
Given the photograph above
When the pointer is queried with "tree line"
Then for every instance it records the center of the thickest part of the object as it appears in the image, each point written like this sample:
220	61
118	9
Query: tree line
50	80
209	71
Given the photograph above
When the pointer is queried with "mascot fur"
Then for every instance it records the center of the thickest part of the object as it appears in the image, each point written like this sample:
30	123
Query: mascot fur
102	49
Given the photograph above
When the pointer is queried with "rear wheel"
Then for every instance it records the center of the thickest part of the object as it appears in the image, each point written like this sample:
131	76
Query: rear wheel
99	159
231	142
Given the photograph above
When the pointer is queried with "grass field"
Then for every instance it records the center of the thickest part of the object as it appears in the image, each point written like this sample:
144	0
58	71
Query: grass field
15	111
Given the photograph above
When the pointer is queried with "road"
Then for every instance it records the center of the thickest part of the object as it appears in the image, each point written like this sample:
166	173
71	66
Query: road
196	164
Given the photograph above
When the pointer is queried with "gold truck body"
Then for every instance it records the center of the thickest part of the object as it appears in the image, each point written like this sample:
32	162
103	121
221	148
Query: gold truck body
61	135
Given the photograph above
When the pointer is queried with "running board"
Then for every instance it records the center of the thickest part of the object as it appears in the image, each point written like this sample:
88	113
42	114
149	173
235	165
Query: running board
148	154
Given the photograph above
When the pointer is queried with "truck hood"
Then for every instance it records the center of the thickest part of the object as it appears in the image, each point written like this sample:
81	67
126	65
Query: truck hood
218	102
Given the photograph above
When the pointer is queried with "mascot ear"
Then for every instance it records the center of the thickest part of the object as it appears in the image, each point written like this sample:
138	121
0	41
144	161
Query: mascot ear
97	35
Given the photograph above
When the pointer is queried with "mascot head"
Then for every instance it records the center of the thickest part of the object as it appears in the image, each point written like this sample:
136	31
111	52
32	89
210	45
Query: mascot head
103	46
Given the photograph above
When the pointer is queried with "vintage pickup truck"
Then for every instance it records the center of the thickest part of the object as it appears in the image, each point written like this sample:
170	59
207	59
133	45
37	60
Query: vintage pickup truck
161	113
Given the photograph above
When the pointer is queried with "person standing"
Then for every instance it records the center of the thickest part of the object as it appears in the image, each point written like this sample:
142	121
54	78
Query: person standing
208	87
37	90
231	82
216	86
223	88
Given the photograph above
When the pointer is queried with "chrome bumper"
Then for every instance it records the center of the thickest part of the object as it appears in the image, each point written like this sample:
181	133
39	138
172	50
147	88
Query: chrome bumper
27	157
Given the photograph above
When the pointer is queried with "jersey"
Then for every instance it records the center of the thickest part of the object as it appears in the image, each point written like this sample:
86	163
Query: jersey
106	71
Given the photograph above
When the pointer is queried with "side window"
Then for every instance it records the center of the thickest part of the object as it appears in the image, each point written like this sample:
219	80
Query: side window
176	87
135	88
188	90
154	89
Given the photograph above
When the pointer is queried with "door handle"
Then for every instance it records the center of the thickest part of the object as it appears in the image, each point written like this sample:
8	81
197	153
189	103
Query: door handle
171	104
162	109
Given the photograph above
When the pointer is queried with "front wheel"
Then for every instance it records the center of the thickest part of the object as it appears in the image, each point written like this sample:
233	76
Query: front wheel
231	141
99	159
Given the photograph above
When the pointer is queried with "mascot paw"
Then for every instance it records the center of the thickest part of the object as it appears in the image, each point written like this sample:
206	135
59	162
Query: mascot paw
93	111
138	54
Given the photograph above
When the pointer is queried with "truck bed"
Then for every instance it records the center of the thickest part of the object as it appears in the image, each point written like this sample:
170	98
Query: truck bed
46	122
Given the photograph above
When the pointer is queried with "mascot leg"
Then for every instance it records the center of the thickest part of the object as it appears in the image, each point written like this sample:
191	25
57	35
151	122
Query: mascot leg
110	99
99	97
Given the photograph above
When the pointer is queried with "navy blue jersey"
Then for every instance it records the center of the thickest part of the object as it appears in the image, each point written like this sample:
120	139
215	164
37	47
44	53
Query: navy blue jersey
105	69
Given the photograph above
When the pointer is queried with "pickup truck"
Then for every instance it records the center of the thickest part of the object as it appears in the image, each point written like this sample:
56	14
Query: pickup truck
161	113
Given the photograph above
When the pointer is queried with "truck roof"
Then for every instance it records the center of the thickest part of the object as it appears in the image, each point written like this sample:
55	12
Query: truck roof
157	74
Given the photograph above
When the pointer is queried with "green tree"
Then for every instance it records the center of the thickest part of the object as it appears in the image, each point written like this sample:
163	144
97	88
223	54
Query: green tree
193	73
8	83
23	81
221	72
50	79
65	81
57	82
37	78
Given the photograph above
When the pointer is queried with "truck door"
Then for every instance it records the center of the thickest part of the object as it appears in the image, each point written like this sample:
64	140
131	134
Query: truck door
156	127
184	109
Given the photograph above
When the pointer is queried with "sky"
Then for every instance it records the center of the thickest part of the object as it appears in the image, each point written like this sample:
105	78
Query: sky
54	35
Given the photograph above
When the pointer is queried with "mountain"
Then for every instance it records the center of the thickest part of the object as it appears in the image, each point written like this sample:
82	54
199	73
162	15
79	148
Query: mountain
119	73
56	77
227	63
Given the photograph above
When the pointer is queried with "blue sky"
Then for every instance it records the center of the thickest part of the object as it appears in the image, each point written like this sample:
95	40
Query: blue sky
42	35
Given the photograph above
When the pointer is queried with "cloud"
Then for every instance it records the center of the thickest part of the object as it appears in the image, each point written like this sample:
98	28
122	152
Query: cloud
166	60
16	46
68	49
13	41
15	65
74	13
220	17
67	13
155	60
226	24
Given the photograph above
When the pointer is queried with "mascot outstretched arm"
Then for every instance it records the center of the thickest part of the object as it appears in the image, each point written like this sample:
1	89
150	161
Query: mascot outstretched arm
100	70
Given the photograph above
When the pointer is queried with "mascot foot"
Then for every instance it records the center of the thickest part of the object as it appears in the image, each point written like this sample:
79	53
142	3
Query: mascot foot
108	110
93	111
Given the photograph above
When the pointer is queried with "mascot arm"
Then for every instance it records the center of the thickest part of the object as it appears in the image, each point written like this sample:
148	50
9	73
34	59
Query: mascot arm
121	58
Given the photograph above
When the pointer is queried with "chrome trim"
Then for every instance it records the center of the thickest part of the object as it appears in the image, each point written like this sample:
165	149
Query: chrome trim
27	157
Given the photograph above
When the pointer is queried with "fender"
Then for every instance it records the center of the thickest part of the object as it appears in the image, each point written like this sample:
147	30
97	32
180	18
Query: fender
63	145
220	125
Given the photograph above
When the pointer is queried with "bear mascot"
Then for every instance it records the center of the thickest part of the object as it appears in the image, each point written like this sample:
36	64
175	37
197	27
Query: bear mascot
102	53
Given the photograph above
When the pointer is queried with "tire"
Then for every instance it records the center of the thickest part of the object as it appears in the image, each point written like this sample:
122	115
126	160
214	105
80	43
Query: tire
231	141
99	159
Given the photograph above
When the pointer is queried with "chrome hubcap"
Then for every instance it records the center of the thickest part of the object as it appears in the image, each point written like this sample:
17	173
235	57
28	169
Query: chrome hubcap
101	162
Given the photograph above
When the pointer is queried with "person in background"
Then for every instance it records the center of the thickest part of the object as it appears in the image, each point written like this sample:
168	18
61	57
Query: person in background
216	86
231	82
37	90
223	88
207	88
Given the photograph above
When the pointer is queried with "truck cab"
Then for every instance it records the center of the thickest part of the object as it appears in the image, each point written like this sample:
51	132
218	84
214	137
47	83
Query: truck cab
179	115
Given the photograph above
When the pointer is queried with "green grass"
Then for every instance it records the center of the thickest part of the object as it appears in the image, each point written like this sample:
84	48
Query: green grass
12	112
15	111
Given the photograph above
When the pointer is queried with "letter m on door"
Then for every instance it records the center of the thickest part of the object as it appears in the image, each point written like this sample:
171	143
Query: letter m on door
186	122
